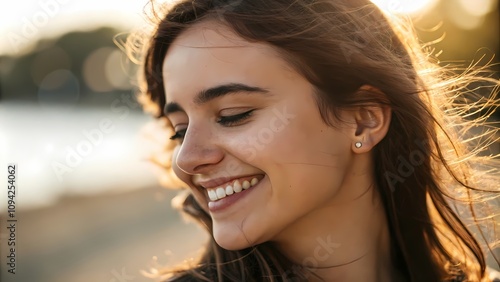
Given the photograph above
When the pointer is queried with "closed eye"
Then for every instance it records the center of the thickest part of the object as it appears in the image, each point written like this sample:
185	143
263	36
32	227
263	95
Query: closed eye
178	135
234	119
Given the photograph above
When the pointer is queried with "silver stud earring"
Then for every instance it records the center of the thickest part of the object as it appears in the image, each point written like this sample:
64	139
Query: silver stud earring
358	144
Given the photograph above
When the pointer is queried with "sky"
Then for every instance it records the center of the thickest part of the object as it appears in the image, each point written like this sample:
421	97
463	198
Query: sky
25	21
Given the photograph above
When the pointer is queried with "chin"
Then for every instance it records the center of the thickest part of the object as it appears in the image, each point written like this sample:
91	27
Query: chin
232	238
232	245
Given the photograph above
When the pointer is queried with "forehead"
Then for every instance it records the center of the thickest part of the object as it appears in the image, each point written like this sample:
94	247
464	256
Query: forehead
209	54
216	39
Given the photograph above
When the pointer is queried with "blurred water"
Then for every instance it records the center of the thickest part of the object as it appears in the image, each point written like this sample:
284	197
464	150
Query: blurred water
67	150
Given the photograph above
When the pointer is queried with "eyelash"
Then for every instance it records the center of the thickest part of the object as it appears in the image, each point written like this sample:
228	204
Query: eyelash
223	120
234	119
178	135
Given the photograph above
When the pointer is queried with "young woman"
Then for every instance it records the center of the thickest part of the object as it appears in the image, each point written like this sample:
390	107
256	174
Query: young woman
318	143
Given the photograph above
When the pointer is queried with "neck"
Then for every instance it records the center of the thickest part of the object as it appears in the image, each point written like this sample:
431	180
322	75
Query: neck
354	245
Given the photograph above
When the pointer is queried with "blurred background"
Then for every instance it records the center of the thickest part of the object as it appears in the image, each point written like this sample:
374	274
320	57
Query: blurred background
89	206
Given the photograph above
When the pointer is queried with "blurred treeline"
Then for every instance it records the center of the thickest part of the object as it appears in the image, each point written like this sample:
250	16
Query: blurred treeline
78	68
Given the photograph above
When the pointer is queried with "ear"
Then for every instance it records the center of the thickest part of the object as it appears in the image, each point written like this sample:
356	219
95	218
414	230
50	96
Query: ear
372	123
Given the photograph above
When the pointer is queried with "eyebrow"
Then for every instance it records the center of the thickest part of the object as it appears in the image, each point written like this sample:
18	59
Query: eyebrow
212	93
172	107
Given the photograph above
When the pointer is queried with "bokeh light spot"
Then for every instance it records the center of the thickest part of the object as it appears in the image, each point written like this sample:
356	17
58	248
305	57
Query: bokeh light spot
47	61
59	87
405	6
94	72
116	70
478	8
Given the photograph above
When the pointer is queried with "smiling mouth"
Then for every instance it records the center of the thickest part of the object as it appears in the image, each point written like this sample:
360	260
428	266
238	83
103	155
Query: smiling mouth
237	186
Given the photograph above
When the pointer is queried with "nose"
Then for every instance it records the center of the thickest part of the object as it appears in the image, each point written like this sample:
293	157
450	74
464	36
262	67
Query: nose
199	151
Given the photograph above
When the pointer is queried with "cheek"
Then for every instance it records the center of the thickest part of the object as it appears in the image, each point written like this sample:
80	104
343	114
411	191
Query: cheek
266	137
306	160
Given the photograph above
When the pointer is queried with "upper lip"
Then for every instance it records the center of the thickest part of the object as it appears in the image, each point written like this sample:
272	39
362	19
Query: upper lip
217	182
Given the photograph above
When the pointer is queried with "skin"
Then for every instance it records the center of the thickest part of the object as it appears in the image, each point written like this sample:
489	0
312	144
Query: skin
317	199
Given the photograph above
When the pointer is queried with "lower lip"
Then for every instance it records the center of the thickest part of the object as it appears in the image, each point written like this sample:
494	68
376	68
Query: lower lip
228	201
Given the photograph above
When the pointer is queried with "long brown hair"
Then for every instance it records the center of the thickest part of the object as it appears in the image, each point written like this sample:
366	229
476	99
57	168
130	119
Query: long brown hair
426	173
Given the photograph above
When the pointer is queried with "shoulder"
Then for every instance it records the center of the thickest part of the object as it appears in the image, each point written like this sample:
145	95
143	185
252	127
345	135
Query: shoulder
192	275
491	274
494	275
183	278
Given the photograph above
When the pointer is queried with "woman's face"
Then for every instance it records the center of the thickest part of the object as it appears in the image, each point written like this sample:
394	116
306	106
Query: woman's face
245	119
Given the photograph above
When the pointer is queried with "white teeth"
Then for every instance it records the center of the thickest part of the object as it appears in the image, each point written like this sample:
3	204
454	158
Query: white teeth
221	193
229	190
254	181
212	195
237	187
